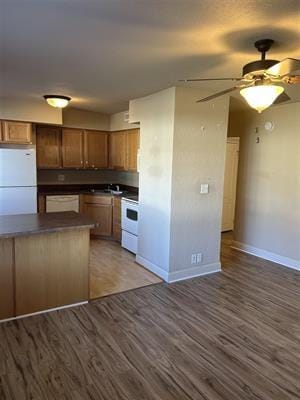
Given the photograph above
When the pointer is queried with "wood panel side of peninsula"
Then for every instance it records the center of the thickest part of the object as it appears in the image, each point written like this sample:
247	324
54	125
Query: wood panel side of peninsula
47	266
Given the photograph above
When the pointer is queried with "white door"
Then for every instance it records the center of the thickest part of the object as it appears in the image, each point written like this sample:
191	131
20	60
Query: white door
230	180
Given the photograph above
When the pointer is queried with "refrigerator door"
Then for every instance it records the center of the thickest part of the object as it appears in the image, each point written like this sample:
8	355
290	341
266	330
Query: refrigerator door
18	200
17	167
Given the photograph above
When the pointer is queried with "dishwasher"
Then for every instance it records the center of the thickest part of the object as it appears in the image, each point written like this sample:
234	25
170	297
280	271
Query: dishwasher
62	203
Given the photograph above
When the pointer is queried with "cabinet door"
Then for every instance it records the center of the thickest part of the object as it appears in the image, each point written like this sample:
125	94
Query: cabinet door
96	149
48	147
117	150
100	209
72	148
132	145
17	132
102	214
41	203
1	132
117	219
7	295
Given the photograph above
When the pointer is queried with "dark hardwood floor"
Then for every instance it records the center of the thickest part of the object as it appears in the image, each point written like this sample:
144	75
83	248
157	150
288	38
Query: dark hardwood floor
228	336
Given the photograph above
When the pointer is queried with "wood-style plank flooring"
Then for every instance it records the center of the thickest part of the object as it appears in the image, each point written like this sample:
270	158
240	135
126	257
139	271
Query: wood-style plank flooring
233	335
114	270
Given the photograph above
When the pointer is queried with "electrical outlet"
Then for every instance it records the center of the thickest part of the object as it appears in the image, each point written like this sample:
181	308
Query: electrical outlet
193	258
196	258
199	258
61	177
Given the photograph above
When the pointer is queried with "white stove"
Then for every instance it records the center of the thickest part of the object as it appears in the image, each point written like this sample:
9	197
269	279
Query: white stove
129	222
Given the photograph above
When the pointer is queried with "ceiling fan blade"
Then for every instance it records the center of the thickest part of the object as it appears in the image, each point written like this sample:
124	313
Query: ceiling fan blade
210	79
282	98
284	67
213	96
293	79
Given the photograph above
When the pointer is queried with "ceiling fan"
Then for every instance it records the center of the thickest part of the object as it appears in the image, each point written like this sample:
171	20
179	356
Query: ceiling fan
259	83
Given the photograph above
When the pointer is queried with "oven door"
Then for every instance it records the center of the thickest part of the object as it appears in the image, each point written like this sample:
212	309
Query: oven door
130	217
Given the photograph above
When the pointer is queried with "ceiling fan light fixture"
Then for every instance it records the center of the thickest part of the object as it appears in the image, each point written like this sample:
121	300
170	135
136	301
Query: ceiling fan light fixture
261	97
57	101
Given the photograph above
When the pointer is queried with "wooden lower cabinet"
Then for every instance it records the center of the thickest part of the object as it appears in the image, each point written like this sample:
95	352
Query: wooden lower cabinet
7	294
41	203
99	208
117	233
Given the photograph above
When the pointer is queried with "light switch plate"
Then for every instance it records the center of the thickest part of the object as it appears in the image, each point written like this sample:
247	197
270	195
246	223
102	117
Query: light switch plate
204	188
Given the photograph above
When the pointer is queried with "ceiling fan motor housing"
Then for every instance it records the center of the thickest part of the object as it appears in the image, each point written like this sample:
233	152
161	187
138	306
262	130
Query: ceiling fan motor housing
257	67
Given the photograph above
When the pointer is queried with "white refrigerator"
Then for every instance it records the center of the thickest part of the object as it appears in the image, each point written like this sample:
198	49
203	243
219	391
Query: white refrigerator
18	192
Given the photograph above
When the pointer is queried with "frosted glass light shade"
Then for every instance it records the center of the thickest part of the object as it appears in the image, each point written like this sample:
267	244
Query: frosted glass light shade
57	100
261	97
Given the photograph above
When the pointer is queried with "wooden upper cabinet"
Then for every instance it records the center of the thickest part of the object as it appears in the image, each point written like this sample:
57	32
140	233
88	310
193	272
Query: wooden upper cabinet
48	147
132	146
95	149
72	148
117	150
16	132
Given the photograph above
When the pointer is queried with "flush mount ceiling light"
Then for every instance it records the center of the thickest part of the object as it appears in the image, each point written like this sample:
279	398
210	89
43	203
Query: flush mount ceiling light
258	83
261	97
58	101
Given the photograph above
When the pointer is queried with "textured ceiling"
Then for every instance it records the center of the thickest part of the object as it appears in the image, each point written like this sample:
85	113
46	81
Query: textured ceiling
106	52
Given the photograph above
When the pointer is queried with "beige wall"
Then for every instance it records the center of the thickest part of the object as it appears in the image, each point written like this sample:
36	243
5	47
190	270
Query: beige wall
198	157
182	146
156	116
117	122
76	118
268	193
34	111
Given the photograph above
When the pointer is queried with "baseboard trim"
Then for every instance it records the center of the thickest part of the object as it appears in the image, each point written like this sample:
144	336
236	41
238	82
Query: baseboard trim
152	267
194	272
179	275
43	312
266	255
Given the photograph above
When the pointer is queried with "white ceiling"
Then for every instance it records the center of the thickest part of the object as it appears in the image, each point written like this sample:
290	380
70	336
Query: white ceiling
103	53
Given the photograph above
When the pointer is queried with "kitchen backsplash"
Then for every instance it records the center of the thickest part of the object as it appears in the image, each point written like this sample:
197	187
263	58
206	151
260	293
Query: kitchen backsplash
64	177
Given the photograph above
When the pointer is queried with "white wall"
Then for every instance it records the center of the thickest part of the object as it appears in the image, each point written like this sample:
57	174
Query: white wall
156	116
198	157
268	191
117	122
176	156
33	111
76	118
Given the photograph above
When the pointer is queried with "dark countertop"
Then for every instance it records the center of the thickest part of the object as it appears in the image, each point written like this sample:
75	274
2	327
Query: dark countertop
30	224
65	189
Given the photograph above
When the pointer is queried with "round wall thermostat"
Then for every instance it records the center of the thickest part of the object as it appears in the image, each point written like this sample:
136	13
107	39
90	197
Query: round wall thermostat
269	126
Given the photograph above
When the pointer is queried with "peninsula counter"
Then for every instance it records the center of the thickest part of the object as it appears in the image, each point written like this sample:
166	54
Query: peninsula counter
44	262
